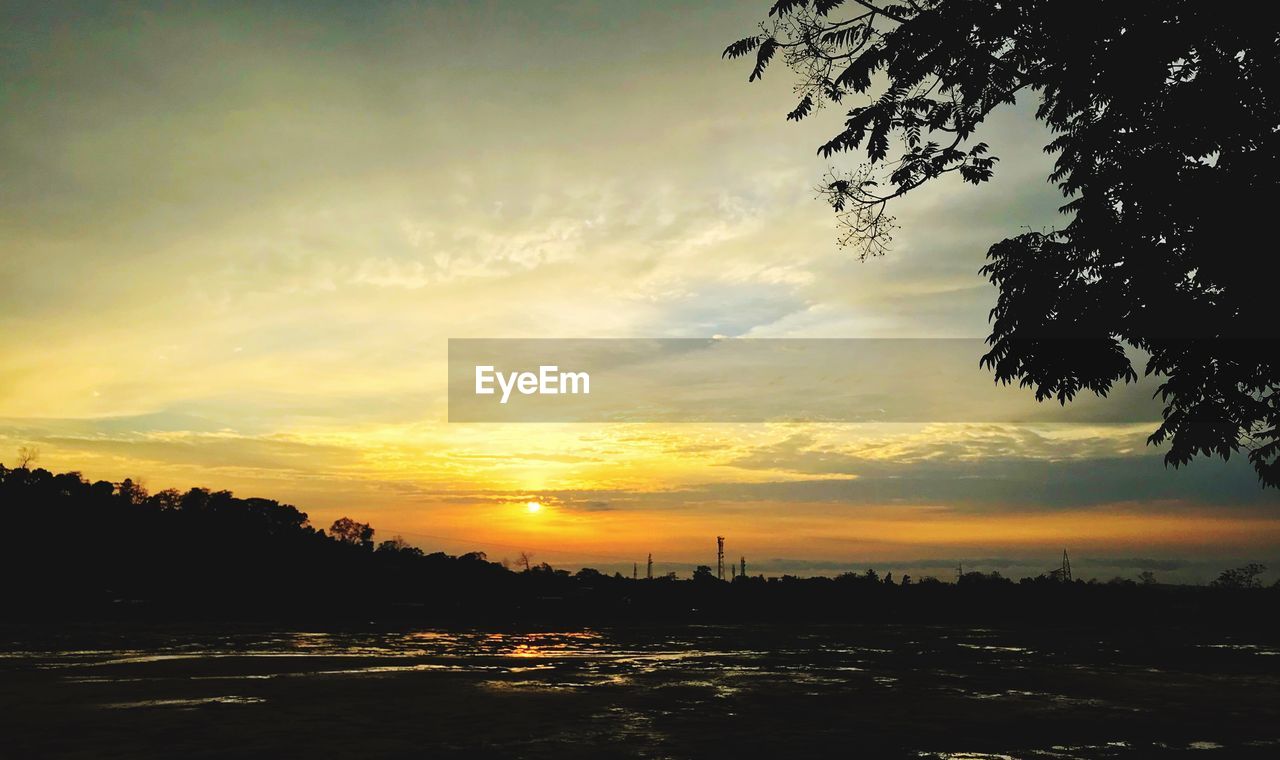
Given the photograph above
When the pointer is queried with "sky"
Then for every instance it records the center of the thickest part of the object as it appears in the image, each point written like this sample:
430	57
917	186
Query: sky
235	239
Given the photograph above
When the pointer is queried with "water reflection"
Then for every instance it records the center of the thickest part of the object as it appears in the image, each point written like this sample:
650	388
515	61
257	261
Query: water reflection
185	703
648	685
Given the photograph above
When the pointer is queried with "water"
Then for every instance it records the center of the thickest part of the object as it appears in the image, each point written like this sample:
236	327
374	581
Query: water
886	691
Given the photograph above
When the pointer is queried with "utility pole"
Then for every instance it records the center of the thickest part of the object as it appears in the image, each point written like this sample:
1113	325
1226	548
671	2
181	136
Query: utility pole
959	571
742	566
648	572
635	569
720	557
1066	567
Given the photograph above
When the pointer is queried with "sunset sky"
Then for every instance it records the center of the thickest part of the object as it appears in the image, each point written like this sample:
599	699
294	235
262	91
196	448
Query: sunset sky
235	239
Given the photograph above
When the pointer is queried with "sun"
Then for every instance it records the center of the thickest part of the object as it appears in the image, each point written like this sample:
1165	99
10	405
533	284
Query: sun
533	507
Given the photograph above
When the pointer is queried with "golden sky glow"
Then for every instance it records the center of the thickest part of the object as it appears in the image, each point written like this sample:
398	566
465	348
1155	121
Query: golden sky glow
235	243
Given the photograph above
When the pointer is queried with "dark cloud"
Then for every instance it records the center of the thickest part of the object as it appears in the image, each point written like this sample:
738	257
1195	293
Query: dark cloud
935	563
594	506
1149	563
993	485
1171	569
991	469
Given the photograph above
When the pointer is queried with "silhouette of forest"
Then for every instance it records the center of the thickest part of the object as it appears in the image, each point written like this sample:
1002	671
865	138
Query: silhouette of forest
89	550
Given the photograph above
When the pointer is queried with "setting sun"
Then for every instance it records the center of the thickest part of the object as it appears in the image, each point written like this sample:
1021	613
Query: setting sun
533	507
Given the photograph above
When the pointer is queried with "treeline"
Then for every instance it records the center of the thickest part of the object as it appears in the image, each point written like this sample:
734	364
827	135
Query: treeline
78	549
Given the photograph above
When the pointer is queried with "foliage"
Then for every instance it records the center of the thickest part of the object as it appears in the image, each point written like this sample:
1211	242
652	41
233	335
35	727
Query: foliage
1164	121
100	546
1247	576
349	531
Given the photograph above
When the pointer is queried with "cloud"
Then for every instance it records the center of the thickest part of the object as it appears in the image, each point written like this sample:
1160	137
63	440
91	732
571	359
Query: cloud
245	239
999	467
591	506
1149	563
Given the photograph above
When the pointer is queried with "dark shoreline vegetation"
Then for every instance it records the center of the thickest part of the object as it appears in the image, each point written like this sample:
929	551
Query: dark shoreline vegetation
100	551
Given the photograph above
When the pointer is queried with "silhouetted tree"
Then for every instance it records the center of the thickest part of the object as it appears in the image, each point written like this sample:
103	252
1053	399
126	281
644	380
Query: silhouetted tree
397	545
348	531
27	455
194	500
975	578
132	492
1164	115
1147	578
169	498
1241	577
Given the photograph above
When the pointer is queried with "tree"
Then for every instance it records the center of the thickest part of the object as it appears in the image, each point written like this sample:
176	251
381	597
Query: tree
590	575
524	560
702	574
397	545
1147	578
131	492
195	500
1241	577
1164	120
27	455
348	531
168	499
978	578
